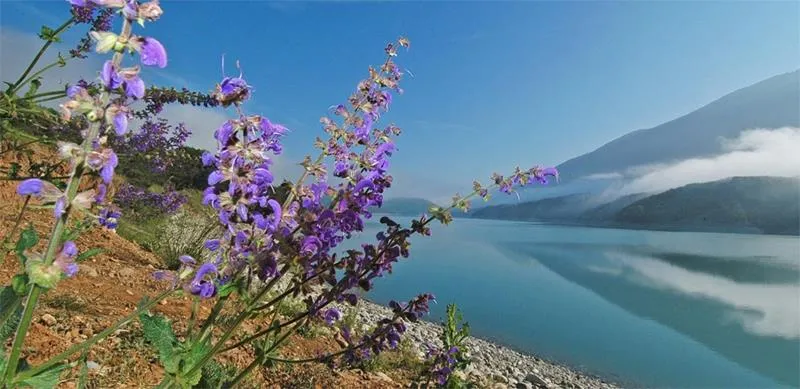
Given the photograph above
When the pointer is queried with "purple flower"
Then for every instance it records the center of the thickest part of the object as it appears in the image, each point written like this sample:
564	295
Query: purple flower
332	315
74	90
109	76
30	187
134	87
109	218
60	207
212	244
107	171
208	158
152	52
65	259
232	90
121	123
199	285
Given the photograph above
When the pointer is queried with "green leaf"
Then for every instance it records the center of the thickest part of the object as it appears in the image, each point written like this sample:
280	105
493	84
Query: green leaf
27	239
35	84
47	379
10	313
89	253
48	34
158	331
198	351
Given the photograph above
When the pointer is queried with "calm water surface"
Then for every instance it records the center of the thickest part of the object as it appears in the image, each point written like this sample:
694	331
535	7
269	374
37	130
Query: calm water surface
659	309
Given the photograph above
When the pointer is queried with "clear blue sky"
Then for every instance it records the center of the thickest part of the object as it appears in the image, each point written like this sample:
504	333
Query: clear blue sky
496	83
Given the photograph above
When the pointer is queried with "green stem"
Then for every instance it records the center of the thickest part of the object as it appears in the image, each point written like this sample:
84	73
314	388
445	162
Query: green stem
37	74
43	94
61	96
38	56
55	240
192	317
91	341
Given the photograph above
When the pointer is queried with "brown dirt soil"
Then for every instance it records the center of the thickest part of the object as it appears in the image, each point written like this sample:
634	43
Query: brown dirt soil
109	286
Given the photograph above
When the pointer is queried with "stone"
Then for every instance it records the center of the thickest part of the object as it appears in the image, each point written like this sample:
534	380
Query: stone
383	377
49	320
524	385
127	272
535	379
87	270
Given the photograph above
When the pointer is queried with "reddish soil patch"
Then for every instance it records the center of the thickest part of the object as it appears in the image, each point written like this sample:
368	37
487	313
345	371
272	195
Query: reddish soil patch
108	287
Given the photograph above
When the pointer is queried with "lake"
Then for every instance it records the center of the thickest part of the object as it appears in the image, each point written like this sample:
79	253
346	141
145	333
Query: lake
655	309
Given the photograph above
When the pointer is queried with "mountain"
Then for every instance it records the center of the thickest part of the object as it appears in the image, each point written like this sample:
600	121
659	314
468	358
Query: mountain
740	204
561	208
771	103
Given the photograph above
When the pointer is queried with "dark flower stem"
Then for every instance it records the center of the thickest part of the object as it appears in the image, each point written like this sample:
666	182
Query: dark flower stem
11	233
38	56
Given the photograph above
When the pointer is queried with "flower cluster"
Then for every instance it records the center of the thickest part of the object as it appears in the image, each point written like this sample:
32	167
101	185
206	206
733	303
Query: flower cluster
442	363
134	198
156	139
106	110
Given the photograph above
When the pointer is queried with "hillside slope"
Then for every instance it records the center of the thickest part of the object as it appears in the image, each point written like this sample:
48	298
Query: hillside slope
759	204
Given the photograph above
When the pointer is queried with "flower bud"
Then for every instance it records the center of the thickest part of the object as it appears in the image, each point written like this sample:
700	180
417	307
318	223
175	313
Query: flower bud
106	41
92	116
68	150
42	275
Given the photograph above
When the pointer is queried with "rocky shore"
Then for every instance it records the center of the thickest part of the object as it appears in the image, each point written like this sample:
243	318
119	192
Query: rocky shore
493	366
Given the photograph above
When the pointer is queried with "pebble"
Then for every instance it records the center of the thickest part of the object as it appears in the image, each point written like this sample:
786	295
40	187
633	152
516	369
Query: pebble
87	270
49	320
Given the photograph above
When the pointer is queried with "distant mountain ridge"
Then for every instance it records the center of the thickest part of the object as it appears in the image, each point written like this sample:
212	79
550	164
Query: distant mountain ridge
741	204
771	103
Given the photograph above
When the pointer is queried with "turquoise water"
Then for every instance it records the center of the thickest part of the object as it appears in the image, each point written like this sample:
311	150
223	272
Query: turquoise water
656	309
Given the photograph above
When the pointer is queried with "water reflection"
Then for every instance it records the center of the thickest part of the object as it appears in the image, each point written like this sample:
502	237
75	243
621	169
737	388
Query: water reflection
745	308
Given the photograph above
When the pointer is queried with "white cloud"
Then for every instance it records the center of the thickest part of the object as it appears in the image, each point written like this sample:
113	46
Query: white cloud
769	310
757	152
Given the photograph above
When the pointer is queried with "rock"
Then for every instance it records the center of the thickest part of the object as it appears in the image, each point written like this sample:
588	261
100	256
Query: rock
536	380
87	270
127	272
49	320
92	365
383	377
524	385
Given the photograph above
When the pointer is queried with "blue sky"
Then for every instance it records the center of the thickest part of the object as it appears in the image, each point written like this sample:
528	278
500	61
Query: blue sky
495	84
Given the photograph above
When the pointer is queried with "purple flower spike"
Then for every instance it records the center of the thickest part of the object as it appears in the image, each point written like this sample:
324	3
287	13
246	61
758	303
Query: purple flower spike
153	53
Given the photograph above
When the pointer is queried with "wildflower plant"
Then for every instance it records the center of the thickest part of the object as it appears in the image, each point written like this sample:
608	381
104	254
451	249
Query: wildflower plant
273	244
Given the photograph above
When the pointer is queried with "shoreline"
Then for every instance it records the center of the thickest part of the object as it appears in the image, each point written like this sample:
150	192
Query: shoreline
494	365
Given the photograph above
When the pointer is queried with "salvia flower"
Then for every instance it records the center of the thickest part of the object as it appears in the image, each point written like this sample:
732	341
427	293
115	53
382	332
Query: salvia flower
151	51
66	259
232	90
